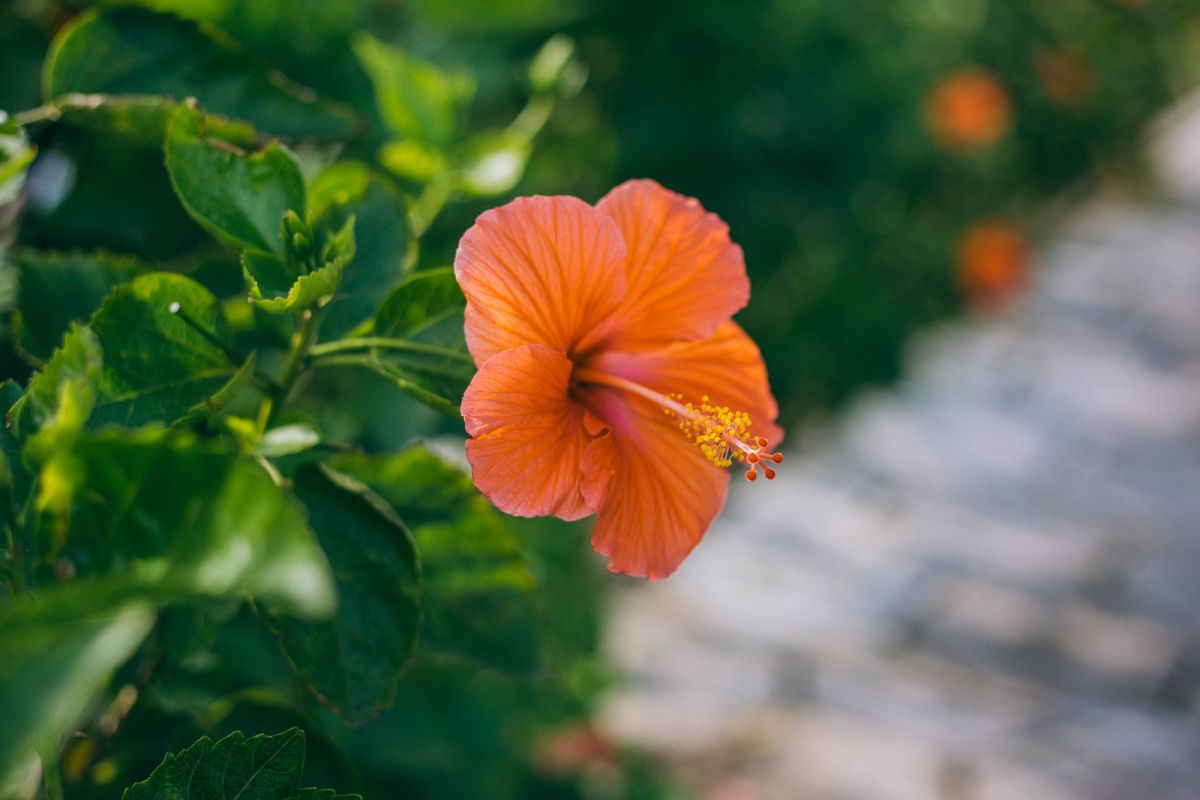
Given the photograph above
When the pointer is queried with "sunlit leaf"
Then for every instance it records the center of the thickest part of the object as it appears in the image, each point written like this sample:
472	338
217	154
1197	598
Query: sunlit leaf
354	661
16	154
164	337
62	394
478	599
416	99
58	653
238	197
308	288
185	519
413	160
132	51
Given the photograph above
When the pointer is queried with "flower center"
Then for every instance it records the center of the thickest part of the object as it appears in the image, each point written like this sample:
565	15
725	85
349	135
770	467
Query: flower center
722	434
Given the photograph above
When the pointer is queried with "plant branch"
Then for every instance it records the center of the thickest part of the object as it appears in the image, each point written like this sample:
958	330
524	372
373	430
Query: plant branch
302	340
428	205
44	113
322	351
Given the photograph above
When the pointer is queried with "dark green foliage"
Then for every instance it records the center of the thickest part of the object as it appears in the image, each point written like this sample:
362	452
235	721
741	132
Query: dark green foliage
176	359
222	349
420	302
354	660
802	124
351	190
59	288
58	652
129	51
259	768
479	590
240	198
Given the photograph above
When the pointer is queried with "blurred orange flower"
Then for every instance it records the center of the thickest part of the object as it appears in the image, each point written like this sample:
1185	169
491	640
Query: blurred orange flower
611	378
968	110
993	262
1065	76
575	749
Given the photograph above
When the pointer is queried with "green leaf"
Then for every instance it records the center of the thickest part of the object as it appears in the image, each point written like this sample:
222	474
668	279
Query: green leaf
239	198
416	99
234	768
354	661
412	160
131	51
380	230
184	519
421	301
58	653
57	289
307	289
266	274
16	154
47	421
61	397
479	591
165	338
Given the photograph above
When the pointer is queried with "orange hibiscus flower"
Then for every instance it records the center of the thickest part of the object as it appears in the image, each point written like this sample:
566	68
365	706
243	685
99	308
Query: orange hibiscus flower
993	263
968	110
611	378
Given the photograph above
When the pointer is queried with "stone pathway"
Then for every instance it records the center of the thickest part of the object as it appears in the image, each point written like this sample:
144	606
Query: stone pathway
985	582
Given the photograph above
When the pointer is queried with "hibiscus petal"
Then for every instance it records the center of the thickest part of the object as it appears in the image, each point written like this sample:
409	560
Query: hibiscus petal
684	276
543	270
528	434
655	493
727	367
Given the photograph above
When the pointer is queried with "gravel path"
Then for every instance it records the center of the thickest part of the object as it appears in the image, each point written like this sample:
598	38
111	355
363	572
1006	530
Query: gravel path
982	583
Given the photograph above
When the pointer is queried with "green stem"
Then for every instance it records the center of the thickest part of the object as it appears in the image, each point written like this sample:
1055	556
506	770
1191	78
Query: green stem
52	778
302	340
374	364
321	351
533	117
25	547
425	208
46	113
372	361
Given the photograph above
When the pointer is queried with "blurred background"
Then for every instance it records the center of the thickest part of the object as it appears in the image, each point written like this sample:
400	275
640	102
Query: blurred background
976	285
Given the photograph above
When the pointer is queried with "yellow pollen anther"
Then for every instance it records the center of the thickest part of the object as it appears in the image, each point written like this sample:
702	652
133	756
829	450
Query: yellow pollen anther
723	436
721	433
